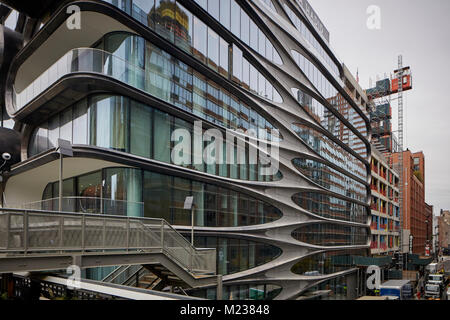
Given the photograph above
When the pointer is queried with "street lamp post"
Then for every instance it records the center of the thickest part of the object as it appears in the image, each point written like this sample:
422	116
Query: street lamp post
65	149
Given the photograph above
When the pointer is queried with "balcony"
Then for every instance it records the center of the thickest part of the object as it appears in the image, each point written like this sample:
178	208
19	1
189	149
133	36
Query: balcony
82	60
374	226
374	245
89	205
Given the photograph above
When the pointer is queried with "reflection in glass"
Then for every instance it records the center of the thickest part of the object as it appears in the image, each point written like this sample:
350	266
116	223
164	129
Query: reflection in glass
327	234
331	179
163	197
234	255
331	207
330	122
326	262
330	150
122	124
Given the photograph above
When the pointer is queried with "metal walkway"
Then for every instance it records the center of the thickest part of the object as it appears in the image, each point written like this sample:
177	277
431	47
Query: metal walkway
43	241
54	286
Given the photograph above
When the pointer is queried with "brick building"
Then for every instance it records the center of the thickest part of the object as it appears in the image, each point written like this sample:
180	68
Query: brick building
444	229
414	211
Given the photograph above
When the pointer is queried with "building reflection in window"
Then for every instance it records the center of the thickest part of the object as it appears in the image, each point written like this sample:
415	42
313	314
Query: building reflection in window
328	234
331	179
163	197
330	150
122	124
331	207
326	263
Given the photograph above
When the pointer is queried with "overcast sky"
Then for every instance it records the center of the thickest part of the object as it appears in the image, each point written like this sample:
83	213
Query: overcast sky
417	29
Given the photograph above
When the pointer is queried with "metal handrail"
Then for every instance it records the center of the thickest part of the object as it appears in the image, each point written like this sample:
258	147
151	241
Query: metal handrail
86	205
33	231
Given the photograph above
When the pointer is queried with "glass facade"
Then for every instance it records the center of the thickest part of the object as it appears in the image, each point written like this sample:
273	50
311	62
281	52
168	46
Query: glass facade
178	25
308	36
331	179
339	103
236	255
326	263
330	150
236	20
329	121
163	197
331	235
123	124
331	207
251	79
333	289
240	292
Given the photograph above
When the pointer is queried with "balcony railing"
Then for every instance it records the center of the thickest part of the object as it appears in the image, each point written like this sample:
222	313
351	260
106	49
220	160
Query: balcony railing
374	245
34	232
83	60
89	205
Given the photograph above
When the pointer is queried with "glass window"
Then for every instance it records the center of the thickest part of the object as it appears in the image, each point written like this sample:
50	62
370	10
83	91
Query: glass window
80	123
245	27
161	141
141	127
158	80
157	195
123	192
66	125
42	138
203	4
331	179
110	126
322	144
90	185
200	40
261	43
213	49
237	64
184	29
245	74
235	18
142	11
181	190
53	132
224	54
225	13
253	36
331	207
213	8
253	79
164	18
328	234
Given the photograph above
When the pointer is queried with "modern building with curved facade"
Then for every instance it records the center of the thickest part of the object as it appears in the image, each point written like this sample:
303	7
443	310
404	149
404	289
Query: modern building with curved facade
118	78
